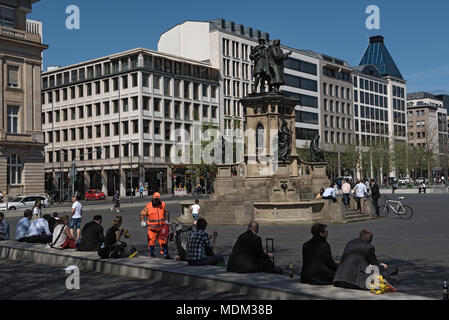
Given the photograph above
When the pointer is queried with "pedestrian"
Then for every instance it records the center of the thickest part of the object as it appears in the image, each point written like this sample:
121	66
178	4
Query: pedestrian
360	193
394	186
75	218
375	195
37	210
346	189
200	248
195	210
23	225
358	255
318	267
424	187
4	228
92	235
39	231
154	217
62	237
141	190
1	196
116	200
248	256
329	194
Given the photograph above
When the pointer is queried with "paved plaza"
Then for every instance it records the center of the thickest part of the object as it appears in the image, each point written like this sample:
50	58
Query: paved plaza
418	247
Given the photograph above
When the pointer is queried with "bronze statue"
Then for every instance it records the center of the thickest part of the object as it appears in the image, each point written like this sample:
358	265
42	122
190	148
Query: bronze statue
276	58
260	70
284	142
316	153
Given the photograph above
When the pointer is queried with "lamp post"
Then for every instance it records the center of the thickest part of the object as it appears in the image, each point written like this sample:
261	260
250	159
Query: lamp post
61	181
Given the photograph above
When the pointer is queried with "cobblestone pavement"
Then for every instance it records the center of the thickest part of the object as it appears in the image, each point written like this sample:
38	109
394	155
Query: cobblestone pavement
418	247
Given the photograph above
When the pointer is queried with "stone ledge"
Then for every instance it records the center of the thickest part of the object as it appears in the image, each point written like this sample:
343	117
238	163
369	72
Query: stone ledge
265	286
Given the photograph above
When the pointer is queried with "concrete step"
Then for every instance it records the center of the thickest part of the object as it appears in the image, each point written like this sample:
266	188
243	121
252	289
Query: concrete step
177	273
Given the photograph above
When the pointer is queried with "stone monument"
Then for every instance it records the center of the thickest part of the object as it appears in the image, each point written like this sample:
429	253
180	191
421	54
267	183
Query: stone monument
272	184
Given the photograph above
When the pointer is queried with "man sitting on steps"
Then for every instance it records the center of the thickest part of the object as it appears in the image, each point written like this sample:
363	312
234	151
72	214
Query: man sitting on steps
248	255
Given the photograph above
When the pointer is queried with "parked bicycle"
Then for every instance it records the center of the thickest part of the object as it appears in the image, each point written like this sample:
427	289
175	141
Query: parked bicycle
403	211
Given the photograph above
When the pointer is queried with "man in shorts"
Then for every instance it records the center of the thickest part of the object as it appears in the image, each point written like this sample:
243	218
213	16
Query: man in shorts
195	210
75	218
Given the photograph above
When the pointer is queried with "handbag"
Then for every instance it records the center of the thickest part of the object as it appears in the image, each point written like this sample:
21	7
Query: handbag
69	244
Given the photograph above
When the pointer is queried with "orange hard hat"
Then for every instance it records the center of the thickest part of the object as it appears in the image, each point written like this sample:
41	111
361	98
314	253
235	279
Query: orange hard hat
156	195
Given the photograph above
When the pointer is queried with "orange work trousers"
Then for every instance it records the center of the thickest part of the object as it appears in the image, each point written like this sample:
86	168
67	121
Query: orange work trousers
153	234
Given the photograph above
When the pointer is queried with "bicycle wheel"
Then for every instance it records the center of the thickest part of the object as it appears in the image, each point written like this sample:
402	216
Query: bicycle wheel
384	210
408	213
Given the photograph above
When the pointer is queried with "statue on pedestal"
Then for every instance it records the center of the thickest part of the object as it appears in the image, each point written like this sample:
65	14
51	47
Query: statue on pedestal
316	153
284	142
268	66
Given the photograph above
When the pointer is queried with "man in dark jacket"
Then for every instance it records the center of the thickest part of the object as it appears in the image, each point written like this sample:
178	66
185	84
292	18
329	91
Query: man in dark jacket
318	266
92	235
248	255
375	194
358	255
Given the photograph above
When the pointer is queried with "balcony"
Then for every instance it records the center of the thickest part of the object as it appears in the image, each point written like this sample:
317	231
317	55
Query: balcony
20	34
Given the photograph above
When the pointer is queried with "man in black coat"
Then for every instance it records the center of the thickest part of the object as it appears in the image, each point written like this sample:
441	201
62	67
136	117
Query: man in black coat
358	255
248	255
92	235
375	194
318	266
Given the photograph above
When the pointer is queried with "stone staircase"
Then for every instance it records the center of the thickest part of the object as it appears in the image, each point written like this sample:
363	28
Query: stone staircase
355	216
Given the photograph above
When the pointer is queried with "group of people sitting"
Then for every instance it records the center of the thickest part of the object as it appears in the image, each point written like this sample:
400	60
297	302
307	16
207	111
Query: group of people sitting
54	231
319	267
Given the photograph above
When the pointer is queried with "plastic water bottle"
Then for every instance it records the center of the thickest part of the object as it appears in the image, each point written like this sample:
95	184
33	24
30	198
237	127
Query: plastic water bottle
290	272
445	291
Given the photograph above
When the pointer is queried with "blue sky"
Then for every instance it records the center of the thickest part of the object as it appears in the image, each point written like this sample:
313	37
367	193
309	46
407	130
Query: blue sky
416	32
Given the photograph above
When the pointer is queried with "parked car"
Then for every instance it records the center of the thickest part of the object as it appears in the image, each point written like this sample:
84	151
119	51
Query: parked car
94	195
404	181
392	180
421	180
55	195
24	202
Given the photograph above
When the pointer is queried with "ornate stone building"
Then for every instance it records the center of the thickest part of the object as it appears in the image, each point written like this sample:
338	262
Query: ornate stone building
22	160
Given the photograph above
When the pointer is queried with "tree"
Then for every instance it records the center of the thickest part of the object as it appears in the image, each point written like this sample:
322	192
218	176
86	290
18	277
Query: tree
304	152
350	158
331	158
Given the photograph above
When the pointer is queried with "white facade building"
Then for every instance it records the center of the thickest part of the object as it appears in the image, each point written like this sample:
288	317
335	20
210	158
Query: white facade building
118	117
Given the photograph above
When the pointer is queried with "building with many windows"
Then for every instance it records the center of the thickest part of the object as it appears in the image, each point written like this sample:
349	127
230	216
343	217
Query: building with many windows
21	139
227	46
379	104
428	128
118	119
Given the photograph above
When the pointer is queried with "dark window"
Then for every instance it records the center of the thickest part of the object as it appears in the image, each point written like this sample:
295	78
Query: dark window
306	117
306	134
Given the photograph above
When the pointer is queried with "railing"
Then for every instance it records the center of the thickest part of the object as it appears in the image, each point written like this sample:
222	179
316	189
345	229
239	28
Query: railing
34	27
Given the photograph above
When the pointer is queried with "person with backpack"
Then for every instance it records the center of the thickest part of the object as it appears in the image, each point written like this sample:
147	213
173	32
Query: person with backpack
114	246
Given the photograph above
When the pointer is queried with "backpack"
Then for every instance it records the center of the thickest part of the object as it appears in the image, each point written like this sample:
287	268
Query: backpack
116	252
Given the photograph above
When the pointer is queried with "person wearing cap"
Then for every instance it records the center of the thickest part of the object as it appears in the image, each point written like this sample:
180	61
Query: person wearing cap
154	217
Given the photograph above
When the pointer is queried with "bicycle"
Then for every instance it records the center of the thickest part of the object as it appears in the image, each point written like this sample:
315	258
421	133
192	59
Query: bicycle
403	211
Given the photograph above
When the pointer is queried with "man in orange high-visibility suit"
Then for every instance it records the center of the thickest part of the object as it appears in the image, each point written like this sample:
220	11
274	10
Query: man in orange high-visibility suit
154	216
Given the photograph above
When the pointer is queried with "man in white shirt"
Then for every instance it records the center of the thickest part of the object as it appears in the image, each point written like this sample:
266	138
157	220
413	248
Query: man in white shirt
346	189
329	194
360	193
39	231
75	218
195	210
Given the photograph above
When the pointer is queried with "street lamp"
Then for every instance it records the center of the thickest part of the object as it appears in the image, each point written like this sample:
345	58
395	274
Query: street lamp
61	181
74	171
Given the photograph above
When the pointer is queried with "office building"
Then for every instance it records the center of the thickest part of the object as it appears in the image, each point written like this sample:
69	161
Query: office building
118	118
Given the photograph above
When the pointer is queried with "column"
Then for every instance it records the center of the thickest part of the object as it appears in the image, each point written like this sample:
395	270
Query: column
169	180
122	183
104	181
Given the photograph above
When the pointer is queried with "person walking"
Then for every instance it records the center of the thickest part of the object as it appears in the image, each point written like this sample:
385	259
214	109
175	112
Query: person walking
116	200
360	193
346	189
154	217
375	194
75	218
37	210
195	211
